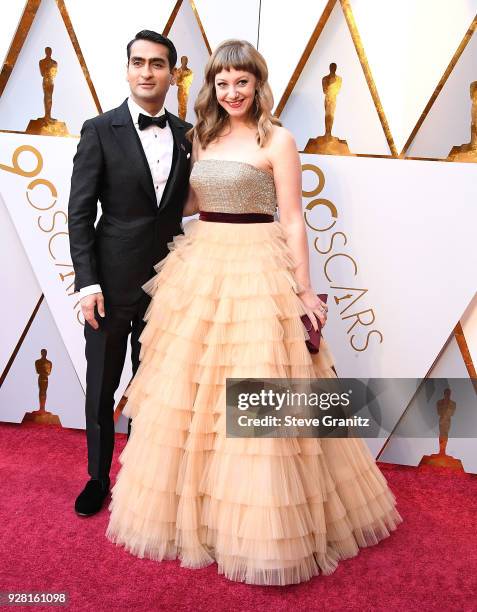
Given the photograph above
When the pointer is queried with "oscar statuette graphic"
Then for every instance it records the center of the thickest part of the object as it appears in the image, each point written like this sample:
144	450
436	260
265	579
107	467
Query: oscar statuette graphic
43	367
46	125
184	77
445	409
327	143
468	151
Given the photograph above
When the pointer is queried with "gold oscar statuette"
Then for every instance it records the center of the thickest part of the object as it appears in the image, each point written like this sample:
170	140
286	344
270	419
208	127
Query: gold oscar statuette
468	151
445	409
183	79
327	143
43	367
46	125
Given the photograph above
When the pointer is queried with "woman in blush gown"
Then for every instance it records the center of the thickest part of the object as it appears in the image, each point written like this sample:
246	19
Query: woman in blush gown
226	302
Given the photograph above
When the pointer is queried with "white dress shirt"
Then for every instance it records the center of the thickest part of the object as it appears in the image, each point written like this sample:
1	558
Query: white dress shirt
158	145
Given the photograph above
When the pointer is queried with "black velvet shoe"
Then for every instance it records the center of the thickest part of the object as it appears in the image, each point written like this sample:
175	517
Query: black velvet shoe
90	500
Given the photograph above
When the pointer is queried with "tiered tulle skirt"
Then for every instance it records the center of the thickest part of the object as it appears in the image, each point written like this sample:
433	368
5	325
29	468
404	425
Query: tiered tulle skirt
268	511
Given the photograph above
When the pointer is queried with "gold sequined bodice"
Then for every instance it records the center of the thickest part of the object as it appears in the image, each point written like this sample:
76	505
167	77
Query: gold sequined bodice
233	187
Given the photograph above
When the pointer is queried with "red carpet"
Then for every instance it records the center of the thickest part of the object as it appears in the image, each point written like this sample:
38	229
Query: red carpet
429	563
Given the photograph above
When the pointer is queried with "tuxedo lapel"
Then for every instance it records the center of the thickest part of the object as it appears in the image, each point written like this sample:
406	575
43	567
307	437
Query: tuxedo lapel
178	159
133	151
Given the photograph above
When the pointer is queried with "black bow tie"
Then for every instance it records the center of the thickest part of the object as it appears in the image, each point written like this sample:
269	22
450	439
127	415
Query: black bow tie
144	121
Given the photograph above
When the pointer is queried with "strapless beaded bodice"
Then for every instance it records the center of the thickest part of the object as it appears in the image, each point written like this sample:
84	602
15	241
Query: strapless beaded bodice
233	187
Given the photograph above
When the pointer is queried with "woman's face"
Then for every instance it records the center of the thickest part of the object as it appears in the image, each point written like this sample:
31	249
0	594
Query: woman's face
235	91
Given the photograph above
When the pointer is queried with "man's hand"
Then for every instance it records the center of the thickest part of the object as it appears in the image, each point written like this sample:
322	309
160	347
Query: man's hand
88	304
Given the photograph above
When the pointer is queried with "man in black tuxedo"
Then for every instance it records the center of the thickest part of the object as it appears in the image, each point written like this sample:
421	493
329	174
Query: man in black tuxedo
134	159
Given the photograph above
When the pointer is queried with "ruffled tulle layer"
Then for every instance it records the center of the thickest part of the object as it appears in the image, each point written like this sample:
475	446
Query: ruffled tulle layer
268	511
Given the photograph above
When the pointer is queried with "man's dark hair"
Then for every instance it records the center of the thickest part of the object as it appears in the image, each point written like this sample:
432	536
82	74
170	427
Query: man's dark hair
156	38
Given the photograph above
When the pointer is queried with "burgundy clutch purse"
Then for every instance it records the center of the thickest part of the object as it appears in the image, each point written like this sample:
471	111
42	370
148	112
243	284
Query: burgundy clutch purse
313	344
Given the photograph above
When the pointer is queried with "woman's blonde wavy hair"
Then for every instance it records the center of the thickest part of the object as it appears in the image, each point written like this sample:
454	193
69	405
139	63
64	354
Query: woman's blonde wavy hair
211	117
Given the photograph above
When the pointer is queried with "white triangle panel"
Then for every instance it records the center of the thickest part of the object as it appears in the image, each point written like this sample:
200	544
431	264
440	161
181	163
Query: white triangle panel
22	99
409	45
356	118
20	289
242	20
448	122
10	14
469	327
409	451
188	40
285	28
19	392
104	29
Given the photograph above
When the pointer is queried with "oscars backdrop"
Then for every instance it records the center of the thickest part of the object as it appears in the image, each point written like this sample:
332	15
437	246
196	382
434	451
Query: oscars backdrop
382	101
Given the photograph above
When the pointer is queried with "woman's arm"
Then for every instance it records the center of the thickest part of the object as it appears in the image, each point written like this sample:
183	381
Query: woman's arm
191	205
286	165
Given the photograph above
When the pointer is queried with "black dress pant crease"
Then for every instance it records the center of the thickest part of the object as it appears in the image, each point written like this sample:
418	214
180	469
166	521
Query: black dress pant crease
105	355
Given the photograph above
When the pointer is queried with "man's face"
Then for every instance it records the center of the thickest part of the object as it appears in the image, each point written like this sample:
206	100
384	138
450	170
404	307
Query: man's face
148	72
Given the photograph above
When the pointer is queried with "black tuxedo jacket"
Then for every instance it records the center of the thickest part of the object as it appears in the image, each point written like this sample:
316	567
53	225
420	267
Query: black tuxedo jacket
133	231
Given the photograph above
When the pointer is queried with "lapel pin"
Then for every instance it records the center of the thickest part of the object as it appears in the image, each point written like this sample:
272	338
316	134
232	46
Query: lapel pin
182	146
188	155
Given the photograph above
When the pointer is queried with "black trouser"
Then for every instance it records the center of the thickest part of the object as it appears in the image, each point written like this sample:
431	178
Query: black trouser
105	355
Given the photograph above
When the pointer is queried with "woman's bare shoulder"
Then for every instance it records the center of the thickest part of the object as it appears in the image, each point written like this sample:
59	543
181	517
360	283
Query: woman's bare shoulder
281	139
281	144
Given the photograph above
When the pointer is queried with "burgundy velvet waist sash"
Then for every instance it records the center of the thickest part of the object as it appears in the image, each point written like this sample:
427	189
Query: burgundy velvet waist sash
235	217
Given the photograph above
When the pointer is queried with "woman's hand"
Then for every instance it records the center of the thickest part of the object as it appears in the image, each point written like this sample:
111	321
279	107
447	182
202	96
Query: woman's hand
314	306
